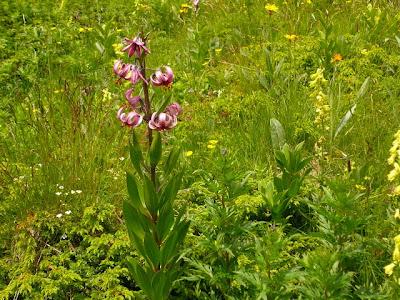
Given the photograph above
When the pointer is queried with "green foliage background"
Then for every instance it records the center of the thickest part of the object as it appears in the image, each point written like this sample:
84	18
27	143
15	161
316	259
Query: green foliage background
235	70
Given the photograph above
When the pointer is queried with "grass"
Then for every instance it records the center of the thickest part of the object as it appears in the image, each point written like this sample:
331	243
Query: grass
235	70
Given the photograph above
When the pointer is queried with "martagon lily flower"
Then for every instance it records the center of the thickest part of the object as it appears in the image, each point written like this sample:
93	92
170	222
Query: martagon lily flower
135	46
162	121
128	72
162	77
173	109
133	100
131	119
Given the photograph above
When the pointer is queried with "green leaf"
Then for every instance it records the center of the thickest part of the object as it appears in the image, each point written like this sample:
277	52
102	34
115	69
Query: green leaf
277	134
150	195
133	191
345	119
141	277
136	224
172	160
165	221
169	249
132	218
167	100
152	250
363	89
170	190
136	153
155	149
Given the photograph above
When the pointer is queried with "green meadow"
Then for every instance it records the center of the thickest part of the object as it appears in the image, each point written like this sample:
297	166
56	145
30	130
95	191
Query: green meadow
288	141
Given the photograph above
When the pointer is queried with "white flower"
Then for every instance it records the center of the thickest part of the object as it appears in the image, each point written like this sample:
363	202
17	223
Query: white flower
61	187
121	158
73	192
59	215
68	212
58	193
64	236
78	191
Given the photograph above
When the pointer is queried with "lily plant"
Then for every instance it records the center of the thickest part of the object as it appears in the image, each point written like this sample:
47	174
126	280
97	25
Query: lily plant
155	229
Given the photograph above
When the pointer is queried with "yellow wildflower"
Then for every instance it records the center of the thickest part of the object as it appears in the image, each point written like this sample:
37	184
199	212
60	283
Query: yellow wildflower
210	146
213	142
397	213
396	190
291	37
184	8
271	8
337	57
188	153
360	187
389	269
81	29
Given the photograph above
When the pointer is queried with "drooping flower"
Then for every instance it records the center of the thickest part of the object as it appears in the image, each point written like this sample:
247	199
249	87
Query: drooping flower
131	119
133	100
162	77
196	5
162	121
128	72
135	46
173	109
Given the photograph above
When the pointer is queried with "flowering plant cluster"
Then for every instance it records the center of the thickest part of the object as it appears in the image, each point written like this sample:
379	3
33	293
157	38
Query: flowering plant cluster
138	109
394	162
155	231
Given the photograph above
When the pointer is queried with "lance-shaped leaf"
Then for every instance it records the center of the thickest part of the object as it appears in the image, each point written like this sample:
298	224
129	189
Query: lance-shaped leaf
161	283
150	195
345	119
152	250
141	277
172	160
165	221
136	153
155	149
133	191
171	189
169	250
136	225
277	134
363	89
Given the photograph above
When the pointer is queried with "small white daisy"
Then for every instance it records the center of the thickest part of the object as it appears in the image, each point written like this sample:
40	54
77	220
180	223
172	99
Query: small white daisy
59	215
68	212
58	193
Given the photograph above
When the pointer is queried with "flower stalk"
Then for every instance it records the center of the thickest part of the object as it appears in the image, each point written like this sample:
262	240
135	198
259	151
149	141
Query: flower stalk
155	231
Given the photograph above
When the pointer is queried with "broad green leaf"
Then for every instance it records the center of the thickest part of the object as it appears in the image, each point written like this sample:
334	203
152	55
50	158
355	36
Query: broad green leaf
133	191
170	190
345	119
132	219
165	221
150	195
152	250
169	248
172	160
155	149
277	134
140	276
